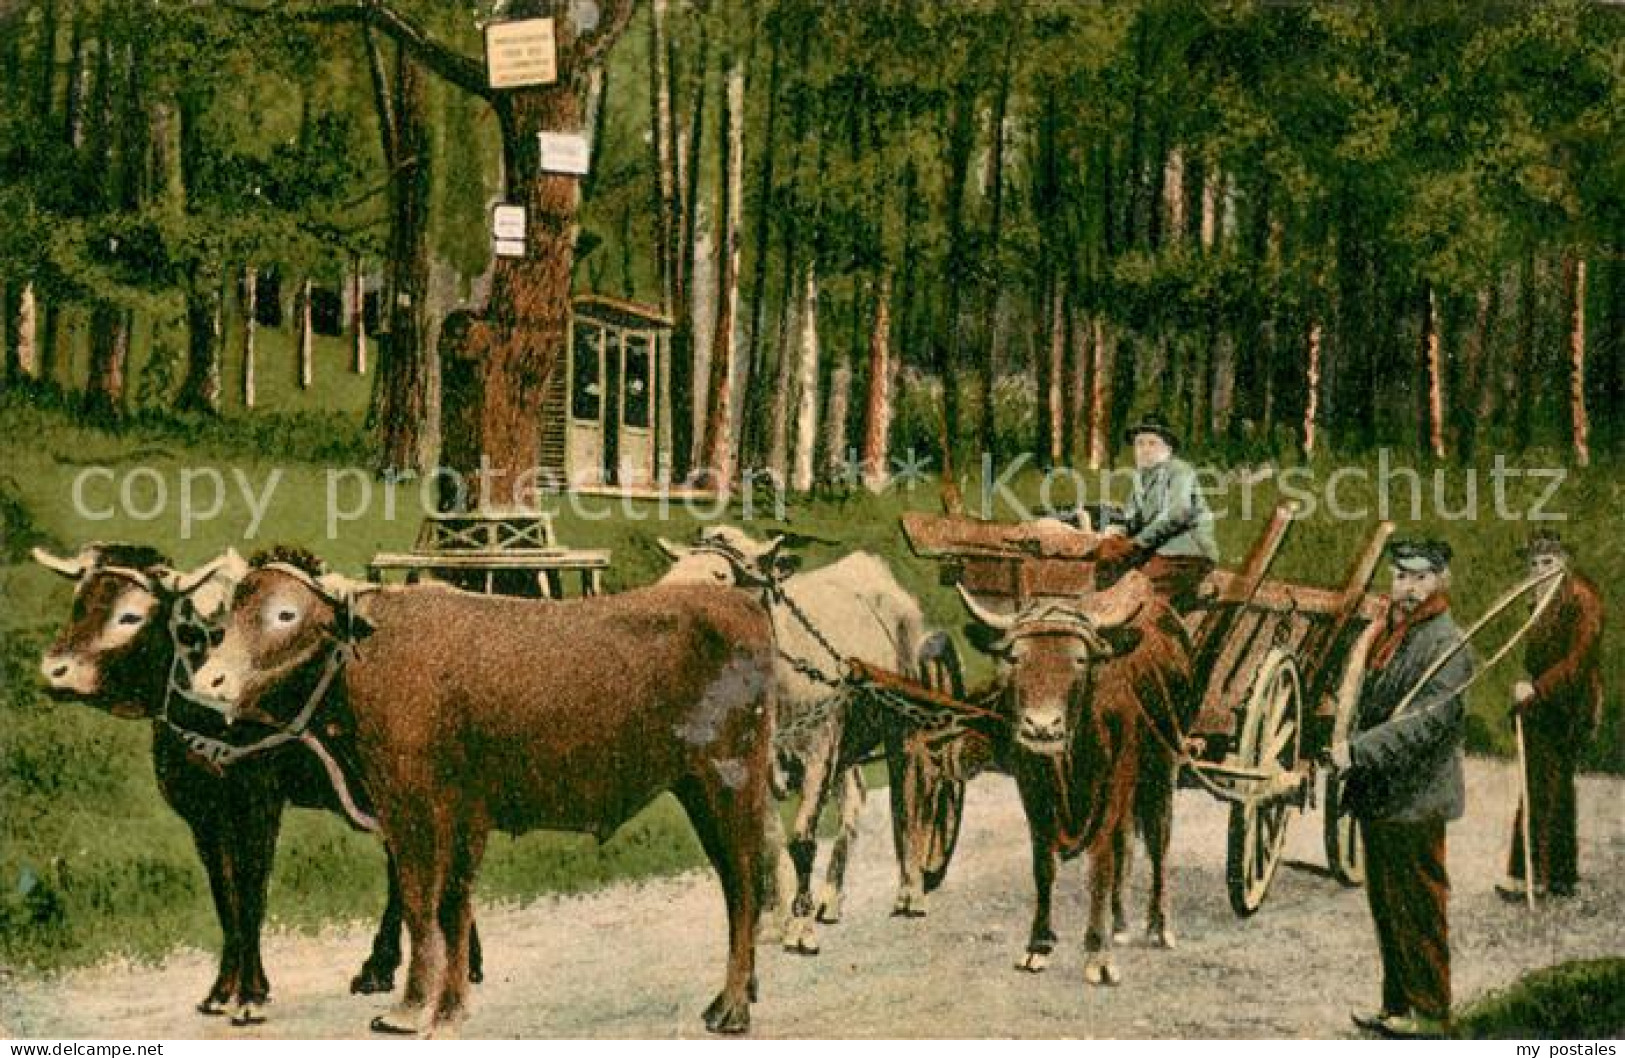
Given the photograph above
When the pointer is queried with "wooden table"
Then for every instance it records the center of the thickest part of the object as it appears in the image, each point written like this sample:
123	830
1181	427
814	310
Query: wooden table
491	542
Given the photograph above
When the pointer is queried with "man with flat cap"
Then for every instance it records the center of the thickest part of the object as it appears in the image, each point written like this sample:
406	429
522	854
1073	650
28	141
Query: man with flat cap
1167	528
1561	706
1402	774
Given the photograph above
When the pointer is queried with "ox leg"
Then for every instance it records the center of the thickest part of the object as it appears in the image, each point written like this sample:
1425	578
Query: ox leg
1098	968
378	972
728	822
423	847
778	877
457	923
1156	812
223	888
849	797
905	772
1122	857
801	938
1041	829
257	830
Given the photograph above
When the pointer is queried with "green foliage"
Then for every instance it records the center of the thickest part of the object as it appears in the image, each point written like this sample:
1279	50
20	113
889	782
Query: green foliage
1570	1001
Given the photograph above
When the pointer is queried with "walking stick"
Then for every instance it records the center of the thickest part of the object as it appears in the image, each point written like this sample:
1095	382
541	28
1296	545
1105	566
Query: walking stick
1523	782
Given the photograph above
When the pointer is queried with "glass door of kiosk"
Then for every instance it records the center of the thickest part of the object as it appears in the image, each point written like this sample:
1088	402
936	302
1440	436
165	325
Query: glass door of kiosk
636	437
585	438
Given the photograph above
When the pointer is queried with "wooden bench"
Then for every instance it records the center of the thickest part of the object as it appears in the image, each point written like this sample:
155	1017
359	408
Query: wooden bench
493	542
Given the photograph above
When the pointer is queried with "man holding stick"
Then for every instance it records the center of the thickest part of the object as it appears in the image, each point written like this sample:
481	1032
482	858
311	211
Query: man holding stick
1559	706
1402	775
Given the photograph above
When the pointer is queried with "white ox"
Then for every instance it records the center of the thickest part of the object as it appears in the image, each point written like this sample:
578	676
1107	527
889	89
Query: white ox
851	609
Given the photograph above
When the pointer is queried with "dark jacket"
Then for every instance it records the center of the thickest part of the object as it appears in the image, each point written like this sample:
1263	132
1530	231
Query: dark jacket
1407	766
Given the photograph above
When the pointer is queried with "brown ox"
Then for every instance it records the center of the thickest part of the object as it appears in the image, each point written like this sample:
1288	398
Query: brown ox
134	620
1082	683
471	712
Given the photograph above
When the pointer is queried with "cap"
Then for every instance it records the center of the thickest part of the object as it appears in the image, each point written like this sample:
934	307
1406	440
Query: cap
1420	556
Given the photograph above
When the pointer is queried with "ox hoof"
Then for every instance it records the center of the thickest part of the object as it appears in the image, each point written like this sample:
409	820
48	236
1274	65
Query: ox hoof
801	938
372	981
829	906
213	1007
910	903
1100	971
1122	936
726	1015
1161	938
1034	962
407	1022
248	1013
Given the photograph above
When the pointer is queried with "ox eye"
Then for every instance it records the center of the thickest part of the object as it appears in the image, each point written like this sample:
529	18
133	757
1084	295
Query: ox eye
719	576
129	618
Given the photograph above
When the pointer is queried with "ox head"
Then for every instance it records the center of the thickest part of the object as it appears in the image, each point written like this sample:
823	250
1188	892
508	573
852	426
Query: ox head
286	616
1047	653
727	556
131	614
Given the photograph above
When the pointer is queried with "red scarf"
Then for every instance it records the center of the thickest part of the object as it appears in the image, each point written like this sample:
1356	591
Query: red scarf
1388	642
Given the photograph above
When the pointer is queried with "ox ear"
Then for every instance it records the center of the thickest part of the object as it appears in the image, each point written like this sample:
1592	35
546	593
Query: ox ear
1121	639
675	552
72	568
989	641
785	565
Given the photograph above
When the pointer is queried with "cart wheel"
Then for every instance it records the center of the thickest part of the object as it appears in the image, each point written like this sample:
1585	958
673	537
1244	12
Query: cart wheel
1272	722
1345	854
944	803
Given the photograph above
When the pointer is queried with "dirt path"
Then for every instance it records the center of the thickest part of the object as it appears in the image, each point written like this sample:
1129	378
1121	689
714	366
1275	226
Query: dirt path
643	960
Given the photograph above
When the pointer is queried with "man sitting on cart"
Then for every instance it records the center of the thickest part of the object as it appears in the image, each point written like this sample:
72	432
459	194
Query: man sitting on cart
1167	527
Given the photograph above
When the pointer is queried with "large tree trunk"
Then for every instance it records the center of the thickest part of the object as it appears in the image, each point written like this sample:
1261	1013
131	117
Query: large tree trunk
408	362
993	359
835	419
756	389
663	145
961	141
1574	295
1473	398
26	332
1051	394
685	344
877	405
778	451
250	324
801	475
1525	359
721	452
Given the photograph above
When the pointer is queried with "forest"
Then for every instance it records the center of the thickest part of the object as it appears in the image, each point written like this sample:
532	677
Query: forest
986	226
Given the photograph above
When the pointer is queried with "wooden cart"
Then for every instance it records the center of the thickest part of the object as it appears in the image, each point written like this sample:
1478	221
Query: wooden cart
1277	664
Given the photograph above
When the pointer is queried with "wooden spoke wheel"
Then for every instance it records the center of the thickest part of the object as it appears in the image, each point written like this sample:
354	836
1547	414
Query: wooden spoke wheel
1272	725
1345	853
943	805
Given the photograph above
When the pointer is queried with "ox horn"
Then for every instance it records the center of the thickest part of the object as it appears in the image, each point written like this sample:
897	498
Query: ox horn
187	583
72	568
1122	602
675	552
998	621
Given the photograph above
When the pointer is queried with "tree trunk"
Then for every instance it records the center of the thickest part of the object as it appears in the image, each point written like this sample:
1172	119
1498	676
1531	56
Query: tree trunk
1051	395
408	361
836	462
1173	196
993	360
1574	293
756	389
877	406
778	453
1099	450
250	323
109	356
200	390
358	317
1525	359
721	452
801	476
1075	389
685	345
1433	376
661	141
1473	400
961	141
1311	404
305	339
26	332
